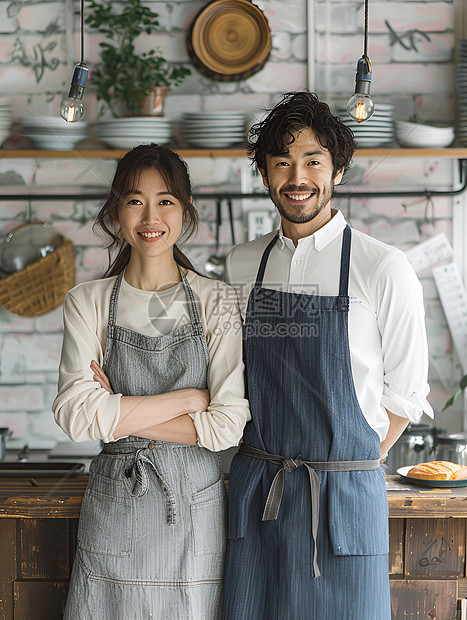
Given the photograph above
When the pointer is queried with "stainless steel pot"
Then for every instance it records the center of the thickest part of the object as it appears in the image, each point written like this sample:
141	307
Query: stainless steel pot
414	446
451	447
26	244
4	434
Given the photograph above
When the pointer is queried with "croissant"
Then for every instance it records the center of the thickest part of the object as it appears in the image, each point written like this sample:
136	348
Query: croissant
438	470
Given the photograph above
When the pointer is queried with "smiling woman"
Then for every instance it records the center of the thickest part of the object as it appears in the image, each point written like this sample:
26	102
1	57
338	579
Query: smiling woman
140	348
151	221
143	171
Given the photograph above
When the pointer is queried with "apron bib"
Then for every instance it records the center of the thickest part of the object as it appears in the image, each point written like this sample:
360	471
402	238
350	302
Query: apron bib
306	489
151	535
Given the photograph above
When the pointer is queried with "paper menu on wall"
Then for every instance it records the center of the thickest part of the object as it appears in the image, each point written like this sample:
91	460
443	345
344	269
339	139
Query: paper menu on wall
454	301
429	252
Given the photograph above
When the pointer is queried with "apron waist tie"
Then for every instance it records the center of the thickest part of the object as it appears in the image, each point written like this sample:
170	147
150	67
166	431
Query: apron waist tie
274	498
140	484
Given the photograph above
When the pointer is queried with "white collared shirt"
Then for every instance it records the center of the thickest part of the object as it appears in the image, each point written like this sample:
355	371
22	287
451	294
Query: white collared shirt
387	337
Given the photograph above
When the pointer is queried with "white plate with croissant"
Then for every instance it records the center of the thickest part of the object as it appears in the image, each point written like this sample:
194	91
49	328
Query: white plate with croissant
435	474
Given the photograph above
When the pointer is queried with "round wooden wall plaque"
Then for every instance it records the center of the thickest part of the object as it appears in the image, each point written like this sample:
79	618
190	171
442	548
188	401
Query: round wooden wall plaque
229	40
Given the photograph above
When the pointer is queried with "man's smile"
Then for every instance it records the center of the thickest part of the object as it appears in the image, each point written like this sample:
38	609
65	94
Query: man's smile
299	197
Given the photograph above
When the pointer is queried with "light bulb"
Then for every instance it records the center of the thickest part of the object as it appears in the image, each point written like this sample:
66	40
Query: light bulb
71	107
361	106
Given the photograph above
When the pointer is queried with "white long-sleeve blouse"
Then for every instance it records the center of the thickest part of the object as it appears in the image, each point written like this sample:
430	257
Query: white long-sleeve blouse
86	411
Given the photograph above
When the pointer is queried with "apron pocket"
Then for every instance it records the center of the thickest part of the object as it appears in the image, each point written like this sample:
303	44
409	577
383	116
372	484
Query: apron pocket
105	524
208	517
358	513
244	478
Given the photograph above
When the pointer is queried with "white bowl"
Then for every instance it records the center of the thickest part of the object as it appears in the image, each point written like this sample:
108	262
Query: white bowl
426	142
439	130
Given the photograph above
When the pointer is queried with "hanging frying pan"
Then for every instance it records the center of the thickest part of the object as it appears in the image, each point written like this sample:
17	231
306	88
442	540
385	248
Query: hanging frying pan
229	40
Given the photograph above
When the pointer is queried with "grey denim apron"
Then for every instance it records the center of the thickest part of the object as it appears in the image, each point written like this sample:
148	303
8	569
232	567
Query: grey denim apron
151	535
308	514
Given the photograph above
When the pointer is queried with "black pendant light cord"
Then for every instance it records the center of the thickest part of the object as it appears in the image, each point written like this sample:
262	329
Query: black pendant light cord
82	32
365	48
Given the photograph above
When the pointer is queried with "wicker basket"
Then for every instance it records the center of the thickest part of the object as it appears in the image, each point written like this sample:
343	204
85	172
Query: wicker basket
41	286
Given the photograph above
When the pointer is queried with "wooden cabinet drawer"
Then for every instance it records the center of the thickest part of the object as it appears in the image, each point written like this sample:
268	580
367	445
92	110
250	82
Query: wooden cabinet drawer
434	548
423	599
39	600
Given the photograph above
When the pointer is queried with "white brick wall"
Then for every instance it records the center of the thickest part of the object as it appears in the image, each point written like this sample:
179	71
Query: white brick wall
404	63
415	73
30	348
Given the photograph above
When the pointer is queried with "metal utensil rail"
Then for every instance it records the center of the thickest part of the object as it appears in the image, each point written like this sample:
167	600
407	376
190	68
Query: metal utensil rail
234	196
350	195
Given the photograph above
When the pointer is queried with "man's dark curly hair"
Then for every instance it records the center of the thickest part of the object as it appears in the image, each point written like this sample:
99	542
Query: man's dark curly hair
296	111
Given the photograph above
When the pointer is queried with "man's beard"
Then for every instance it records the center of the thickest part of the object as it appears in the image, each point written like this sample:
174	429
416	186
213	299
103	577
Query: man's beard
296	216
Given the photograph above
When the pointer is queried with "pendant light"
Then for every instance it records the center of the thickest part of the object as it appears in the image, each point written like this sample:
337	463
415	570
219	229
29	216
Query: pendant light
71	107
361	106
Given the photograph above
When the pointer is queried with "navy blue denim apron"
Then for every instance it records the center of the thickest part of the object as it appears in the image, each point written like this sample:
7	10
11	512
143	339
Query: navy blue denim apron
151	535
308	515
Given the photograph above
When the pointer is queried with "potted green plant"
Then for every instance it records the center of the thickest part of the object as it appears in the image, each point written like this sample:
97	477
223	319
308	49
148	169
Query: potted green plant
460	389
124	76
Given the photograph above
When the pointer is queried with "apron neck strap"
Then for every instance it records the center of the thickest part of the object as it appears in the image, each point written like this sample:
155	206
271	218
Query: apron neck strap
194	316
345	262
114	299
264	260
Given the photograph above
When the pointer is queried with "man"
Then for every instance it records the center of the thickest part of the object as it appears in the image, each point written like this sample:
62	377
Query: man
336	361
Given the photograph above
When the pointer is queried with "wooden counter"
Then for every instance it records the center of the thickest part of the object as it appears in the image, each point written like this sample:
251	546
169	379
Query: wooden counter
39	520
42	498
38	526
427	556
61	498
423	502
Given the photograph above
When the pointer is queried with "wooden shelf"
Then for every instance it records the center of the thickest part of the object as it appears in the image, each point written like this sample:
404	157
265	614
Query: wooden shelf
454	153
114	153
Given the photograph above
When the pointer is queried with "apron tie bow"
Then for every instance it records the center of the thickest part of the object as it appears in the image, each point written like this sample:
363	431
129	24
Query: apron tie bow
139	479
291	464
274	498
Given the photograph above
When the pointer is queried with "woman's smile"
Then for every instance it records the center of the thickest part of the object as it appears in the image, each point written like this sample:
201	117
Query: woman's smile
151	235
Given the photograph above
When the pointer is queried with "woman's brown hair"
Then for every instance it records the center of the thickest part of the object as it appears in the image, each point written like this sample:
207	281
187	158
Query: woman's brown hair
174	171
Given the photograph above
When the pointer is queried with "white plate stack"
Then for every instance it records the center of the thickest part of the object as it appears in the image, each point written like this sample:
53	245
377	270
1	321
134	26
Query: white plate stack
128	132
5	119
213	129
53	133
461	84
377	131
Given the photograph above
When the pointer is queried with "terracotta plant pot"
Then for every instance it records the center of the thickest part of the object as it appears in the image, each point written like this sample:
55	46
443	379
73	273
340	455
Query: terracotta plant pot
153	103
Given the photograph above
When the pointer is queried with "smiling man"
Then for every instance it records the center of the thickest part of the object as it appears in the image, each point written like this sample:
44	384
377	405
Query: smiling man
336	360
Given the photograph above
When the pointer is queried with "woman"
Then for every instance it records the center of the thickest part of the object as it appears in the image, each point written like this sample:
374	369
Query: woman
141	348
